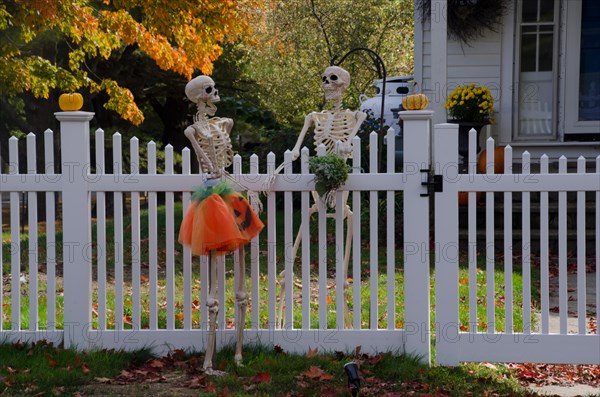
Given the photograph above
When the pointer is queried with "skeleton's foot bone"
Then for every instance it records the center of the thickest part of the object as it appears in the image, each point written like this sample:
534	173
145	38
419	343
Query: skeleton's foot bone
214	372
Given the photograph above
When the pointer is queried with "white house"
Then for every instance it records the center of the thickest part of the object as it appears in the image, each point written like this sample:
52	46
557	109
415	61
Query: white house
542	65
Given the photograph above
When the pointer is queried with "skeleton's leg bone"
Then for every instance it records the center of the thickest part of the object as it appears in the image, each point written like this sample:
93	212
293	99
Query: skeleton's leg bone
213	308
280	313
241	297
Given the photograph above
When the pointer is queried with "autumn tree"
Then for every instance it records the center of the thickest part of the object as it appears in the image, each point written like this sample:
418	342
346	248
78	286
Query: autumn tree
179	36
303	36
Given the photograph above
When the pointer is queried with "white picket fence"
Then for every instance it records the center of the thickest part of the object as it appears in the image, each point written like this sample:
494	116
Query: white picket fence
458	340
122	288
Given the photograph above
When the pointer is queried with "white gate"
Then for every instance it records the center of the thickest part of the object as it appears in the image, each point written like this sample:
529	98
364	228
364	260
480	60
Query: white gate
119	287
480	337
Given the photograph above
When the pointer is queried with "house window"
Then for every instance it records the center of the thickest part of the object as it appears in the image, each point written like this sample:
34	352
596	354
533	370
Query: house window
581	78
537	22
589	67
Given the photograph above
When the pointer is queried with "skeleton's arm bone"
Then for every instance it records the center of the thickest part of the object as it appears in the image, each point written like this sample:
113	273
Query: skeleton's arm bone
308	120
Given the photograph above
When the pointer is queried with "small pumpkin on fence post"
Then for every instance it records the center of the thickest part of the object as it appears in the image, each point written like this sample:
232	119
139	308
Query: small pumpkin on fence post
415	101
70	102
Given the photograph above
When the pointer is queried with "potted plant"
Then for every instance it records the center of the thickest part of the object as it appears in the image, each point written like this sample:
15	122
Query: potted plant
469	106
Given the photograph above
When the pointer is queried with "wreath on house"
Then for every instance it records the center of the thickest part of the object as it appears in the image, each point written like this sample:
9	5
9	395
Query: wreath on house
468	19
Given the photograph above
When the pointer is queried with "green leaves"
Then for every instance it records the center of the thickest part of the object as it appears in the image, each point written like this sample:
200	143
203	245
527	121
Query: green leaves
331	172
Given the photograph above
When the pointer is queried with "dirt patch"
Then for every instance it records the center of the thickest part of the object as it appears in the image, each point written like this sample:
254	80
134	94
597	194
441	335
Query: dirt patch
170	385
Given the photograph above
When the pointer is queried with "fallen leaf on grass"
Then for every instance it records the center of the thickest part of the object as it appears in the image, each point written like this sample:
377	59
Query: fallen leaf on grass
311	352
316	373
51	362
156	363
102	380
261	377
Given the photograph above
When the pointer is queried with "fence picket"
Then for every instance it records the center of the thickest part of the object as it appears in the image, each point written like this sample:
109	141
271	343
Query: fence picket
187	252
50	234
118	233
271	247
221	320
526	247
562	251
490	243
136	248
544	252
15	238
508	247
170	242
305	257
581	273
472	234
237	170
288	227
32	223
340	271
373	237
101	251
152	242
204	292
356	246
391	235
255	261
322	226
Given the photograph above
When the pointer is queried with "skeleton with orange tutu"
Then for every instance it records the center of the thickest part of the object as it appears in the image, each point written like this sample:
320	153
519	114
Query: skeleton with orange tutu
219	219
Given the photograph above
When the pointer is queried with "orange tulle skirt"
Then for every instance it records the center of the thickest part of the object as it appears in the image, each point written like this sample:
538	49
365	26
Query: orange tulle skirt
221	221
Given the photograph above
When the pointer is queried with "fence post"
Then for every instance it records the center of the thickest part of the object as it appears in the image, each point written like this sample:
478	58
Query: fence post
77	243
416	234
445	154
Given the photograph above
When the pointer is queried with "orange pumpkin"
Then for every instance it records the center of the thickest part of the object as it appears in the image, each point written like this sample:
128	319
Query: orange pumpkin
463	198
498	161
70	102
415	102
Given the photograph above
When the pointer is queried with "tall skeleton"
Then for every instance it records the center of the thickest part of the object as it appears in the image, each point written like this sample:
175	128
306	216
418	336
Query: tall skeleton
334	129
211	142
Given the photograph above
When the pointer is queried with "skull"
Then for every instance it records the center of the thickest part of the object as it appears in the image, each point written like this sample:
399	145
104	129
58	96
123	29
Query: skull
335	82
202	89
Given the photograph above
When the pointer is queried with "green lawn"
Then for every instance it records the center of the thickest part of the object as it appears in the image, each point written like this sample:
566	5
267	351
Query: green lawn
42	369
331	293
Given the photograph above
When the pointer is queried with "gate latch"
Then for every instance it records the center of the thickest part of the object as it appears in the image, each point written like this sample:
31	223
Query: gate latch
434	182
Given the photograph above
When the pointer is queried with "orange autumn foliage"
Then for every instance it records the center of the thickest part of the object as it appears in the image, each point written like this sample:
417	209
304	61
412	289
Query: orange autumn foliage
182	36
